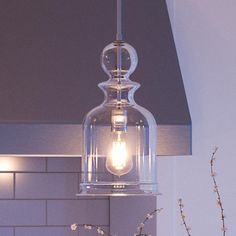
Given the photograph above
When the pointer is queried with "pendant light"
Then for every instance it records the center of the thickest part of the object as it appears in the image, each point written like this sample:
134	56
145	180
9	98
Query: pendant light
119	136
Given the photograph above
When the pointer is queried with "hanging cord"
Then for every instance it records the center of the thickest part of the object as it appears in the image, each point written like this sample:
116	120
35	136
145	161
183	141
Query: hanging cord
119	21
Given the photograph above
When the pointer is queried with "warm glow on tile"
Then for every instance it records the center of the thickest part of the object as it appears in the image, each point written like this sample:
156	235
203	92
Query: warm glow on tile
5	179
7	163
6	185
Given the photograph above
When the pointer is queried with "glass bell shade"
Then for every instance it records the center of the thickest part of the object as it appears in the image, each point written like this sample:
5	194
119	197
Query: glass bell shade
119	136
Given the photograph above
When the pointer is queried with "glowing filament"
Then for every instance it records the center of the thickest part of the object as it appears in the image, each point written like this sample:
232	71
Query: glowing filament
119	162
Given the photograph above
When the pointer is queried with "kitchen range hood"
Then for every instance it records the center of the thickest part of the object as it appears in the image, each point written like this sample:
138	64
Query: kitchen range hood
49	69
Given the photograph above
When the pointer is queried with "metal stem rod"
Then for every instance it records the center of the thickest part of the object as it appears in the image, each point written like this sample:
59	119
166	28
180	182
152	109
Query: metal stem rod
119	21
119	48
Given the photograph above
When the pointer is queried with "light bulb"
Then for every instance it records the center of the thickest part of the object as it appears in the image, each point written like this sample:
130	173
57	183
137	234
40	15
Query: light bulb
119	162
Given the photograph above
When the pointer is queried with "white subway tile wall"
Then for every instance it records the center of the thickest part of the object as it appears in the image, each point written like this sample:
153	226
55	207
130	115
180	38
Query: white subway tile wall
7	231
6	185
46	185
22	212
37	197
66	211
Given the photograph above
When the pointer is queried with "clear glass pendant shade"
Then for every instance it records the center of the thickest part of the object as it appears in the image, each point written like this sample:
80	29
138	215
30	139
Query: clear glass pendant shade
119	156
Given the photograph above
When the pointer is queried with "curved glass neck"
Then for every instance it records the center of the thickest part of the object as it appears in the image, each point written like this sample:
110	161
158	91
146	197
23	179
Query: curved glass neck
119	91
119	60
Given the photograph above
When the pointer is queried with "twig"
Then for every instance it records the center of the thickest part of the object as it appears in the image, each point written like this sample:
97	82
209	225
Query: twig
104	232
181	207
90	227
148	217
216	190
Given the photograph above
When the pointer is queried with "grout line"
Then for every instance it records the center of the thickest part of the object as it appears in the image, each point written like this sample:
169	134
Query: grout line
14	231
14	185
46	212
78	183
46	164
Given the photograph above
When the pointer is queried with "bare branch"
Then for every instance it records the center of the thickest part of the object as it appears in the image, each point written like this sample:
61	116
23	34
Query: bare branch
216	190
148	217
98	229
181	208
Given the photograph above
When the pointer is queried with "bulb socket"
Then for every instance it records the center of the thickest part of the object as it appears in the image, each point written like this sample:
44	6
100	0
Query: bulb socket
119	120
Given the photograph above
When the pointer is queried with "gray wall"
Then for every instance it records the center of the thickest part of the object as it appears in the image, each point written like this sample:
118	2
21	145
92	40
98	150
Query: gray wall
205	36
